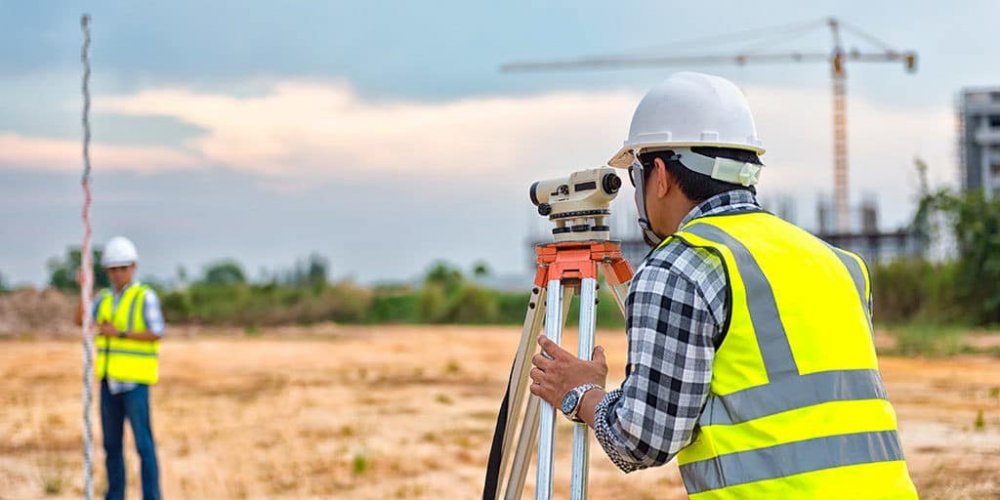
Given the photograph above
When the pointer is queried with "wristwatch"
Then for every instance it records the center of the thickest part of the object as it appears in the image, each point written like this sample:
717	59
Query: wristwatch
571	401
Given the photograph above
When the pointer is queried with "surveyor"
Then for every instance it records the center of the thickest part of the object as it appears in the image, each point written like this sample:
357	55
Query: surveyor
128	327
750	343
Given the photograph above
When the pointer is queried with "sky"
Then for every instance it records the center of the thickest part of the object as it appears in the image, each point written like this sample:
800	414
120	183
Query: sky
382	136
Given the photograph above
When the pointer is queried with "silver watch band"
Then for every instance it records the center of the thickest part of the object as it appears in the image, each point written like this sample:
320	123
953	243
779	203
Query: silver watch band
580	391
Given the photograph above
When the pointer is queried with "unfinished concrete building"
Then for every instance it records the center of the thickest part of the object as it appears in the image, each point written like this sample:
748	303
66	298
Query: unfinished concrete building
979	139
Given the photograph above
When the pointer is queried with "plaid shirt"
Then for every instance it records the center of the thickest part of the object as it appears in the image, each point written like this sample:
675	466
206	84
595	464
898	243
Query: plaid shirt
677	306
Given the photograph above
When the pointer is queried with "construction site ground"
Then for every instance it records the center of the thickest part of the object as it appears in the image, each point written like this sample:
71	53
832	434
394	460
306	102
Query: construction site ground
398	412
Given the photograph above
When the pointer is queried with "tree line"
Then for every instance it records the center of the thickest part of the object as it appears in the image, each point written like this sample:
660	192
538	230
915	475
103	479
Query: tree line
963	289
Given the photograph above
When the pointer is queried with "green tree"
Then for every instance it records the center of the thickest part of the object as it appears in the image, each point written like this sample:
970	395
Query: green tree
182	276
317	268
445	275
433	303
474	305
224	272
481	269
975	223
63	271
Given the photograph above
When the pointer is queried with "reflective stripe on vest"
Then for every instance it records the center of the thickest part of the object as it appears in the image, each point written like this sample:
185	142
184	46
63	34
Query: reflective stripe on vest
126	360
797	406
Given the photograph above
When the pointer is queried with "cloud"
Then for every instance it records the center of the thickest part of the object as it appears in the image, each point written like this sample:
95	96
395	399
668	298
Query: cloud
66	155
301	132
316	129
796	126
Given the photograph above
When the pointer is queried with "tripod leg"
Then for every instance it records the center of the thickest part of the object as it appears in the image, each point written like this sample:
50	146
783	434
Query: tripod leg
619	291
529	429
547	428
581	444
522	456
501	450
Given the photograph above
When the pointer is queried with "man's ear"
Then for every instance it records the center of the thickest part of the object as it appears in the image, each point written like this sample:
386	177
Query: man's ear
662	181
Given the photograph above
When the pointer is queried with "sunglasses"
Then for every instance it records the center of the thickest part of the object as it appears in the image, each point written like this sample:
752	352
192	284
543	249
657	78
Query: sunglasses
635	171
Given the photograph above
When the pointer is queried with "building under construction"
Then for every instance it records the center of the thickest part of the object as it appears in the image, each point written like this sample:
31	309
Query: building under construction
979	139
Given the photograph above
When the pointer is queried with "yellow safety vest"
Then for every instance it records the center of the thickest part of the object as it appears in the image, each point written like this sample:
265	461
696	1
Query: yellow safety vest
126	360
796	406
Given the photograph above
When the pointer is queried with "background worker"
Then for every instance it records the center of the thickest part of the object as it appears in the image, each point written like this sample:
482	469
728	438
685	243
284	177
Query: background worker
129	326
750	346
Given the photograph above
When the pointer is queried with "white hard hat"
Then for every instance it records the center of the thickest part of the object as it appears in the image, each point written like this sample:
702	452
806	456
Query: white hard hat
119	251
690	110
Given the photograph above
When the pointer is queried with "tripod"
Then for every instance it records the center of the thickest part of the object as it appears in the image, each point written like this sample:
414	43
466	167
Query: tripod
562	269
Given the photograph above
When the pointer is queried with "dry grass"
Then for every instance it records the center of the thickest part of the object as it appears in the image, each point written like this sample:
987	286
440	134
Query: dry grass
397	412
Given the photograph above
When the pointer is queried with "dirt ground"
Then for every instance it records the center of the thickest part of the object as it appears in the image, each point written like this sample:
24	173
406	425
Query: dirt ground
398	412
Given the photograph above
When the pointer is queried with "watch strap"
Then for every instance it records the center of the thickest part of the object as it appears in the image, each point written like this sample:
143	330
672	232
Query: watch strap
580	391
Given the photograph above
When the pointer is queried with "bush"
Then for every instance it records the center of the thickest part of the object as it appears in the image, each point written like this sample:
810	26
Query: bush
911	290
966	289
394	308
348	302
433	303
511	307
473	305
176	306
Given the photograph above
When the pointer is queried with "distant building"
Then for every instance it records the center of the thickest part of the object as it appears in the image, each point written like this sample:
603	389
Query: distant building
871	243
979	139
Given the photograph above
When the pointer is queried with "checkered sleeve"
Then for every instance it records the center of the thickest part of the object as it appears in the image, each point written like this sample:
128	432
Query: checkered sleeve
672	330
152	313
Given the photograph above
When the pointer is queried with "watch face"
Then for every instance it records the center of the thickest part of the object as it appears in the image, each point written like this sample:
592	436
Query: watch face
569	402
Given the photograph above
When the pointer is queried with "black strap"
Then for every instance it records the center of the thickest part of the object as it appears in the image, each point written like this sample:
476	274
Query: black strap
492	481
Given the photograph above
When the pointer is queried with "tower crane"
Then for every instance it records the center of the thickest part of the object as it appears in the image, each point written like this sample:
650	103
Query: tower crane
836	58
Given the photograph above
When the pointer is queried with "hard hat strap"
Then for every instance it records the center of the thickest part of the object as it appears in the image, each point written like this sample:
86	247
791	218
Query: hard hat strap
638	177
723	169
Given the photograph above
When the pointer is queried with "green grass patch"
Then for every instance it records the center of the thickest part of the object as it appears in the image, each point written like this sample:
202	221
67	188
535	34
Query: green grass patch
930	341
360	462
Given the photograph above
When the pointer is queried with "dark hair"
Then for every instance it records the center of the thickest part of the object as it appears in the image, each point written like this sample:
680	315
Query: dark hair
696	186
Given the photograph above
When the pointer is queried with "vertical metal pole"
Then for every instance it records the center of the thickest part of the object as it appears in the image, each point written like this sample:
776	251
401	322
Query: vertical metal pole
581	443
529	429
86	274
516	390
547	428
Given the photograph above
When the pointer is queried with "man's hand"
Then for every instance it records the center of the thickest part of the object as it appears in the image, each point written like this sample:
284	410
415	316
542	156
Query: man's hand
107	329
554	377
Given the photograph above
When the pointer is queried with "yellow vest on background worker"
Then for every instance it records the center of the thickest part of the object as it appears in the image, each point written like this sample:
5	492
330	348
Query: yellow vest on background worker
797	407
126	360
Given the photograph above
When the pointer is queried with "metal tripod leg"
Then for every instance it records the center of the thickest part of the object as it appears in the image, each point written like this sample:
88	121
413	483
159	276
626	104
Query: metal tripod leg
529	427
547	415
518	382
556	262
585	348
619	291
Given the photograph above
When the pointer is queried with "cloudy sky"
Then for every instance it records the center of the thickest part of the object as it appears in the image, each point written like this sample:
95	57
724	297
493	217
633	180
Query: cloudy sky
381	135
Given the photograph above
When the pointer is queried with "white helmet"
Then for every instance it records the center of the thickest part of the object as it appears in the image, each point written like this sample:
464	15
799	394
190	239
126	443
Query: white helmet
119	251
685	111
689	110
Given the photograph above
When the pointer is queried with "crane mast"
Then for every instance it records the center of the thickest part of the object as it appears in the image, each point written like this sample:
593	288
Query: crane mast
836	58
839	87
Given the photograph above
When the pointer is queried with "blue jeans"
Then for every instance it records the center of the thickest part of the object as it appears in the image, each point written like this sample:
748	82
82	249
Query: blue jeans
115	408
